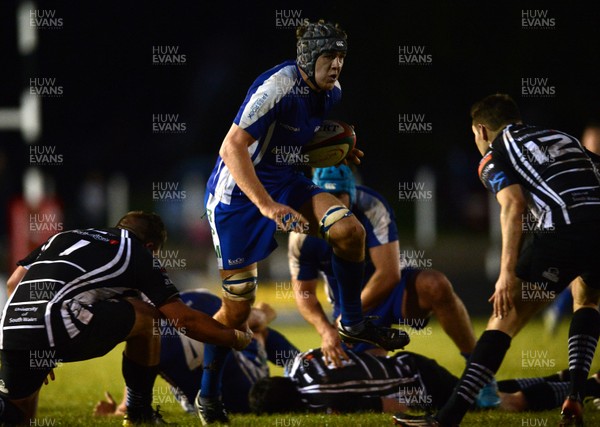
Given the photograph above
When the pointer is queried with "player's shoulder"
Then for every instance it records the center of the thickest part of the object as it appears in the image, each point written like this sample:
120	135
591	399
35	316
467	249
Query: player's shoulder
108	235
278	80
520	133
487	163
369	199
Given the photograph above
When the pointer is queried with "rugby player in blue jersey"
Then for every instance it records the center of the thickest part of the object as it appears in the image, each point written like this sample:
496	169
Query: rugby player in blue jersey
392	293
253	192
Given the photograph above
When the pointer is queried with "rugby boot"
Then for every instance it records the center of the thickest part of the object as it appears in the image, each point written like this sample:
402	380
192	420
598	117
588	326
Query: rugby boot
210	411
152	417
381	336
571	413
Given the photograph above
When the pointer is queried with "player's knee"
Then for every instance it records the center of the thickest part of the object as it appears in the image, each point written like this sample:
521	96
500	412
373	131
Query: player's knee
240	286
434	286
146	315
341	229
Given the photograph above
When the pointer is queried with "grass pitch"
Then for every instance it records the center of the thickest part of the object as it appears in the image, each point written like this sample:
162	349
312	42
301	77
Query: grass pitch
71	398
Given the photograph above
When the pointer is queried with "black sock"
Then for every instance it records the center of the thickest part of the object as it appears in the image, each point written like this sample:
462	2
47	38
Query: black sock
139	381
9	413
583	338
483	365
592	388
545	395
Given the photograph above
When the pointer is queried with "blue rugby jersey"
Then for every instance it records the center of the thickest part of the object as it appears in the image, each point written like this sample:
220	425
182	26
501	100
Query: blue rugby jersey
310	255
282	113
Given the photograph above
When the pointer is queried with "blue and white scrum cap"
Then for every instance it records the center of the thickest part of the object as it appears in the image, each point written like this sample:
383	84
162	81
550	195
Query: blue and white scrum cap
314	39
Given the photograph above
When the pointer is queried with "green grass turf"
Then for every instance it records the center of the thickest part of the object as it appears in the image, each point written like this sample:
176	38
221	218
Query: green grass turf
71	398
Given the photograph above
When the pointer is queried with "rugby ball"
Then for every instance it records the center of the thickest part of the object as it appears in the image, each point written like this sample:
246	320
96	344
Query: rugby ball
330	144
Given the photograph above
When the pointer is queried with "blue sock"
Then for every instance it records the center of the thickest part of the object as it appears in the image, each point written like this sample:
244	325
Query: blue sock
349	275
214	361
564	302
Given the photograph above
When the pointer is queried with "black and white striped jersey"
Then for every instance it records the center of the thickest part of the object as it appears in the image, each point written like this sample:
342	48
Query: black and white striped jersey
324	387
552	167
69	273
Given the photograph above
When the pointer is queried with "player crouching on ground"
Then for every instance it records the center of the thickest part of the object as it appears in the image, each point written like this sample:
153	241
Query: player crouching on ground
91	281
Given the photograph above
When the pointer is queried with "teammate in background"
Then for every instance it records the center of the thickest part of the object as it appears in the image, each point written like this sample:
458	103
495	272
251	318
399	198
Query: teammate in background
181	358
252	193
390	293
403	381
77	296
549	170
563	304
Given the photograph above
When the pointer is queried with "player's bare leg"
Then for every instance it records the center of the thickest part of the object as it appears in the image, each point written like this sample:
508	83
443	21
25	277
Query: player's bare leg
332	221
431	293
239	290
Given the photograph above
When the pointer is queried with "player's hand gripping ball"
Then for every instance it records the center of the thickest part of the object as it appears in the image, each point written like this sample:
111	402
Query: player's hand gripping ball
330	144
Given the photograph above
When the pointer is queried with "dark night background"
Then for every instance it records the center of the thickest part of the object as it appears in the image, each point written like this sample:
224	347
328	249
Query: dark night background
102	57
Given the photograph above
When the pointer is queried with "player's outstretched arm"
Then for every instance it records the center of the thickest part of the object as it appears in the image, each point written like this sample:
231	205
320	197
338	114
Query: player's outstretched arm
201	327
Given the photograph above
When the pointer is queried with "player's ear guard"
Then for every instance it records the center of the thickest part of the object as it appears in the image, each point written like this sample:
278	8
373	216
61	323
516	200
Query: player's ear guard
241	286
333	215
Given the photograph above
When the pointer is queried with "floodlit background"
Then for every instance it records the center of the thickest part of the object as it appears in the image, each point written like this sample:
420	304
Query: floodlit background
112	106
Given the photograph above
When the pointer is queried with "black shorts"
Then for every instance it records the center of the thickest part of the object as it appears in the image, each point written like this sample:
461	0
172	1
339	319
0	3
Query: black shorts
554	258
22	372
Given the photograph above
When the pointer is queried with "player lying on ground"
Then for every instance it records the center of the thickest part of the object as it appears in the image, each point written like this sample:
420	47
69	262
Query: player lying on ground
69	302
181	358
401	382
390	293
